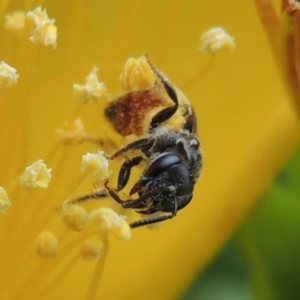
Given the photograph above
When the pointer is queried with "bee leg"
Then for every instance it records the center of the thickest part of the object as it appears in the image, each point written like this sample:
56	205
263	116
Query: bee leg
148	211
143	144
168	112
149	221
114	195
136	203
96	195
156	219
125	170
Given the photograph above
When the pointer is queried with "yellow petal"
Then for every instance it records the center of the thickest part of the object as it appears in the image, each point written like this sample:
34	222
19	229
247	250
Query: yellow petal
247	126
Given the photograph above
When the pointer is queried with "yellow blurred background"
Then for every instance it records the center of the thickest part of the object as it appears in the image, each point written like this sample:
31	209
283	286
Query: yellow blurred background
246	124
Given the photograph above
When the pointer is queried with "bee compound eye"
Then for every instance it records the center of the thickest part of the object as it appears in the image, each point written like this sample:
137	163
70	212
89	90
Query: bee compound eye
162	164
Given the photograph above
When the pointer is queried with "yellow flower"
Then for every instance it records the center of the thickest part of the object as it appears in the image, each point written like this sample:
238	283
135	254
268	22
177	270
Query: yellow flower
248	128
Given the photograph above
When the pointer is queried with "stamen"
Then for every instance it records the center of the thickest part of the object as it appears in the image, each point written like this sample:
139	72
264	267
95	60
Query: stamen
4	201
74	216
8	75
72	132
90	250
93	89
37	175
15	22
46	244
43	29
97	163
291	6
107	219
215	39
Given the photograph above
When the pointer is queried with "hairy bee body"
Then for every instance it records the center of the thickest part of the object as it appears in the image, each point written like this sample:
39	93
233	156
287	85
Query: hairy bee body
165	126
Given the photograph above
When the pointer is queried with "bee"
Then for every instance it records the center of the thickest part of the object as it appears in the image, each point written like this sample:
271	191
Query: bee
168	145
